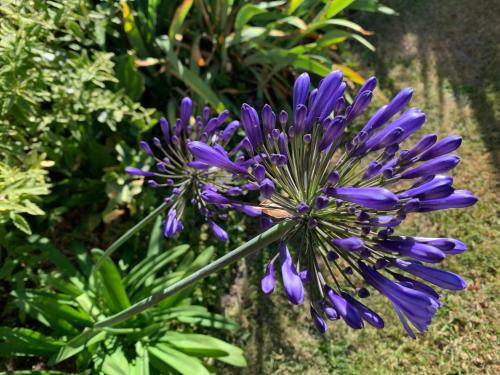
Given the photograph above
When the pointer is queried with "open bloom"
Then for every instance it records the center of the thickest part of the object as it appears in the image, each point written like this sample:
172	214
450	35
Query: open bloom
346	197
188	182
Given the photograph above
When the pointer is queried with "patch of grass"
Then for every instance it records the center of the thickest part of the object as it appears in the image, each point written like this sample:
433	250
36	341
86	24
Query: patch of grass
456	88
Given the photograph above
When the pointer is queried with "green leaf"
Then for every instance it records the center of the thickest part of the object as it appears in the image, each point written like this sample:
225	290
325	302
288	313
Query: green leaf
78	343
55	308
113	289
373	6
332	8
26	342
116	363
179	17
190	78
54	255
141	364
206	346
179	361
156	239
363	41
293	5
208	319
245	14
131	30
130	79
20	223
310	65
150	265
201	260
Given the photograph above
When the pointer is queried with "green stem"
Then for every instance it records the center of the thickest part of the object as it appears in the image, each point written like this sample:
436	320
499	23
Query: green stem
136	228
271	235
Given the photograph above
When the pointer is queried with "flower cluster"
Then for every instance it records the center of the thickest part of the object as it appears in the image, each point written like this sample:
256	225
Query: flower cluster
346	198
190	182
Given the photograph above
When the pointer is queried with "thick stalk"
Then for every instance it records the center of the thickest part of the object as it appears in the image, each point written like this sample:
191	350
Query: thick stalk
136	228
262	240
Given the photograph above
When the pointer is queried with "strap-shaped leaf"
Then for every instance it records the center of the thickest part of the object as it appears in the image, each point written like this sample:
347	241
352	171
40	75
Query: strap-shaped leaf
141	364
190	78
150	265
132	31
55	309
208	319
110	285
179	17
206	346
332	8
245	14
78	343
116	363
177	360
26	342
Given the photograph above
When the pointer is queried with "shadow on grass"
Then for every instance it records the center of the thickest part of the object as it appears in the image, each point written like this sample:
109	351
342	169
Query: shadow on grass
461	38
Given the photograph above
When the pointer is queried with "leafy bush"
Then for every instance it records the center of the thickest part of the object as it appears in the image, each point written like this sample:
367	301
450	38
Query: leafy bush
229	52
60	99
73	299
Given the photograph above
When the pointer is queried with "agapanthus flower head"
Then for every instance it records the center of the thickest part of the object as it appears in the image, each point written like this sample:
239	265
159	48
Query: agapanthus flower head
189	182
346	197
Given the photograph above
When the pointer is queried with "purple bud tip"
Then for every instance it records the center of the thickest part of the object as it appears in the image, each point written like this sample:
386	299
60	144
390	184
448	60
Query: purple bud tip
302	208
267	283
218	232
332	256
312	222
333	178
319	322
321	202
138	172
147	149
259	172
362	292
291	280
370	197
283	117
305	276
266	188
349	244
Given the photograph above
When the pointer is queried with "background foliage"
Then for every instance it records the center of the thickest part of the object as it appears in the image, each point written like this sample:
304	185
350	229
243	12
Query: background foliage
82	81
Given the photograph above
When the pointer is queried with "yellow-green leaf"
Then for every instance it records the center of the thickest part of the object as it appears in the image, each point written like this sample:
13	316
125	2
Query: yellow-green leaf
179	17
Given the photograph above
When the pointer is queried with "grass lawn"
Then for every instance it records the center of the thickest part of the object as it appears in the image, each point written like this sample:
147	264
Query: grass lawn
449	52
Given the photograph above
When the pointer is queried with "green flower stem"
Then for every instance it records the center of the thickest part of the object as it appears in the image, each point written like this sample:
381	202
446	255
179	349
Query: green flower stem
271	235
136	228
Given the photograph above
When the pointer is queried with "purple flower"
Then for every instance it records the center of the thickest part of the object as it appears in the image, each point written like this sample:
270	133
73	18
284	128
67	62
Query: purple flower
218	232
345	309
171	224
444	146
301	90
410	304
208	155
349	243
367	314
291	280
267	283
138	172
319	322
459	199
433	167
185	180
375	198
442	278
376	184
438	187
408	246
266	188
